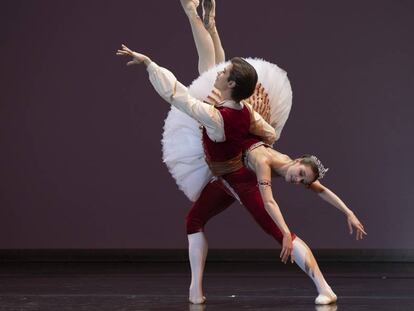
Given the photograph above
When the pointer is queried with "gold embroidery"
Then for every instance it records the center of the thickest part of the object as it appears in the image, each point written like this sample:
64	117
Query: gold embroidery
225	167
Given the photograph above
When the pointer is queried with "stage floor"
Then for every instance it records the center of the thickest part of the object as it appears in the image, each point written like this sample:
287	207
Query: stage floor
228	286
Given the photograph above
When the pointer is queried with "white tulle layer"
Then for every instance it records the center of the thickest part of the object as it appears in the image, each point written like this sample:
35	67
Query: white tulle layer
181	142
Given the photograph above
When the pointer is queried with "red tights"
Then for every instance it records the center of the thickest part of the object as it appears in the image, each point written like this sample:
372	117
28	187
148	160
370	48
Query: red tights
215	198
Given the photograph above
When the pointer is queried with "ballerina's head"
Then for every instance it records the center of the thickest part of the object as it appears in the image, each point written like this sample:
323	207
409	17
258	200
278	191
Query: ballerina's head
305	170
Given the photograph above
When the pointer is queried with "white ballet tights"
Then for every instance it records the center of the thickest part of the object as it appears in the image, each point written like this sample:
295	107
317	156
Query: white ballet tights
304	258
197	253
302	255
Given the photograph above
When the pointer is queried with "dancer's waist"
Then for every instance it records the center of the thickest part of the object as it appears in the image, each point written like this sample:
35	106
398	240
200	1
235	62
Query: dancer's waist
220	168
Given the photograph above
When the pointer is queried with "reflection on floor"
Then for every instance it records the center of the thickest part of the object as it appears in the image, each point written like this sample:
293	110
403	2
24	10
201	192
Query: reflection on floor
228	286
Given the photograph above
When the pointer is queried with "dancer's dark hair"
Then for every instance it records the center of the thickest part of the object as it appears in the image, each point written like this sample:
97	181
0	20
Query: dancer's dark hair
245	77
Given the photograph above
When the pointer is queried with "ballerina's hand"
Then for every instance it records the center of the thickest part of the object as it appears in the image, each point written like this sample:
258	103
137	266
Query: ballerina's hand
354	222
287	247
137	58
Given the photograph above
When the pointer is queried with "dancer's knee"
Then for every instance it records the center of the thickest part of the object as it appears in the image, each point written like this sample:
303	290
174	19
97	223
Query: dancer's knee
193	224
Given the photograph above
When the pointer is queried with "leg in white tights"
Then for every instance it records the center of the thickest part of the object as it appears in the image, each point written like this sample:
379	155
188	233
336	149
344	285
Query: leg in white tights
209	14
197	252
304	258
218	48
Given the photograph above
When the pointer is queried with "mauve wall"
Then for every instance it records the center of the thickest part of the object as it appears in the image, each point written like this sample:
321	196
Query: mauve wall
80	156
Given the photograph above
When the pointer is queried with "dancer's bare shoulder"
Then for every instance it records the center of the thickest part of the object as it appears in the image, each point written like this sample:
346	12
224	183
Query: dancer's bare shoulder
278	156
258	157
264	155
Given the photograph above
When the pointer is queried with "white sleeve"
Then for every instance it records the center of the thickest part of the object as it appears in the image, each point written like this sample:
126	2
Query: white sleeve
171	90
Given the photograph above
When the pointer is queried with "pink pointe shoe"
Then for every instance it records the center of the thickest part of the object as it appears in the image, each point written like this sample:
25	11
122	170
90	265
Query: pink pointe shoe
209	13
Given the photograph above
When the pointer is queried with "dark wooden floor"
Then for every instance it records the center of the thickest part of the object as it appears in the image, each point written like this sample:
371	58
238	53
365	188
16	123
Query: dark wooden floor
228	286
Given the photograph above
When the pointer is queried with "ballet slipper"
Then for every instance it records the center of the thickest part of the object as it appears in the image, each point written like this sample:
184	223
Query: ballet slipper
190	7
326	298
209	13
197	301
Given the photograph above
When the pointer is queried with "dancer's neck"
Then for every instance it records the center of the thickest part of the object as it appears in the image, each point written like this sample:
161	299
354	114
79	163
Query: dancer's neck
226	95
280	162
283	169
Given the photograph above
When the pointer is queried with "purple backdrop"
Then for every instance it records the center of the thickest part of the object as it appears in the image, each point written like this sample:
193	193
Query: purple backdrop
80	156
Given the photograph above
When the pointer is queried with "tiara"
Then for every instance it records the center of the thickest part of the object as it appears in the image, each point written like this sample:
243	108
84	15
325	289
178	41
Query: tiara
321	169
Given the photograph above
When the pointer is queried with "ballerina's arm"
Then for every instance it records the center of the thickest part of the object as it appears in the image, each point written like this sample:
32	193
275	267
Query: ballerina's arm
330	197
263	173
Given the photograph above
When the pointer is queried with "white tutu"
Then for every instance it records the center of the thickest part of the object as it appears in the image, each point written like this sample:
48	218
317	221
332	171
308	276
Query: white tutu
181	142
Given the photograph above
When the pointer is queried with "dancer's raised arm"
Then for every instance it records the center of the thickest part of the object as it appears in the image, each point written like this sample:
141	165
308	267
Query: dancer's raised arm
330	197
172	91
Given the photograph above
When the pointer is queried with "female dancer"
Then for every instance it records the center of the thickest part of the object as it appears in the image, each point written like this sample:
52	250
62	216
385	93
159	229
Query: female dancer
259	157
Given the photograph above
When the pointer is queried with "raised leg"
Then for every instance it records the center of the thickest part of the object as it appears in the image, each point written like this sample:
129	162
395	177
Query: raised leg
202	39
209	18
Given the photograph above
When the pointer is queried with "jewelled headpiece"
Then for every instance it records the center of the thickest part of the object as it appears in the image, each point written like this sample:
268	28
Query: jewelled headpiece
321	169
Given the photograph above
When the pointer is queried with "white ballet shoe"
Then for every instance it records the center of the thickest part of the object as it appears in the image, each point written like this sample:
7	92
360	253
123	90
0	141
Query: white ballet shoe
326	299
209	13
197	301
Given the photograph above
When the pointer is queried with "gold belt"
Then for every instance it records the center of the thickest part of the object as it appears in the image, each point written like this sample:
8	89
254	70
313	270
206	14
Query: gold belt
225	167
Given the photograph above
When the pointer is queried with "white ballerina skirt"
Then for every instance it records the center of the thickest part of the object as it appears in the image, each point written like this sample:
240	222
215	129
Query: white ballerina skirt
182	137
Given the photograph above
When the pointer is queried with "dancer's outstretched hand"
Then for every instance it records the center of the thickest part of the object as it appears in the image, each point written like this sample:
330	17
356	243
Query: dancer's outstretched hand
287	247
354	222
137	58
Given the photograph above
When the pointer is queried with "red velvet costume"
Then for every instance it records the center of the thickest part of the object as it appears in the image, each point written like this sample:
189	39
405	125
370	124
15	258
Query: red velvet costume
249	141
215	196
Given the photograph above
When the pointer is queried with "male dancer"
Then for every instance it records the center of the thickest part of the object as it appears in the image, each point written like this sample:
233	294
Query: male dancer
226	126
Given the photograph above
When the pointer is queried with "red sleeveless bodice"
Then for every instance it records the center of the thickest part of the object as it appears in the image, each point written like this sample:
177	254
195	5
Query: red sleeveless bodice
236	129
249	141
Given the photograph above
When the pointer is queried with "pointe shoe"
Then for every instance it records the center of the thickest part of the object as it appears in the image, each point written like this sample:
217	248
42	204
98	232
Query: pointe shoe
209	13
197	301
326	299
190	6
